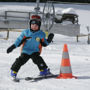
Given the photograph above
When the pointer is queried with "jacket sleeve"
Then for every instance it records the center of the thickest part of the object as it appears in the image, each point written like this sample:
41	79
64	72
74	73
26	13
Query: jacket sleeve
47	41
19	39
44	41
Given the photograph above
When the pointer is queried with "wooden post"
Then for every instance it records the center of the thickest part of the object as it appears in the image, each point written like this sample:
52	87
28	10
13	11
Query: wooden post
88	39
7	34
77	38
88	29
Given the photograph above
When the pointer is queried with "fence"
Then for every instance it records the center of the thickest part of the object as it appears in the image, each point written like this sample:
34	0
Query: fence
14	21
84	35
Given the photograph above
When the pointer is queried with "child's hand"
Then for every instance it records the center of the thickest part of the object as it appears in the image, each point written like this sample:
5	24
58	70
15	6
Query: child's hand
10	49
50	37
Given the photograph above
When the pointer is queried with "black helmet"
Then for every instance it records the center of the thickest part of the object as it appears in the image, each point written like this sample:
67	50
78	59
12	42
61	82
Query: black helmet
35	19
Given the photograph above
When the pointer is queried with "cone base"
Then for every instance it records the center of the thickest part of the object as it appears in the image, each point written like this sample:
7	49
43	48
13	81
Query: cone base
61	76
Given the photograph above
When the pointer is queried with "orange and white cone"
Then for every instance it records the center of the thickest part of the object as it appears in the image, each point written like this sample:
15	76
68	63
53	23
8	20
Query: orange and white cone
65	70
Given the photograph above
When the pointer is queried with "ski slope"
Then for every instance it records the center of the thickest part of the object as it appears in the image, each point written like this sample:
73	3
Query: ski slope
79	57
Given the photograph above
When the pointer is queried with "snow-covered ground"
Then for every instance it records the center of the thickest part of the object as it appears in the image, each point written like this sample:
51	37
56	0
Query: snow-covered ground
79	57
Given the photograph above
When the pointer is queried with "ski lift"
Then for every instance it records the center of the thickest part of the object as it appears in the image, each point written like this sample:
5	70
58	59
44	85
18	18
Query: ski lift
73	18
48	15
68	14
51	21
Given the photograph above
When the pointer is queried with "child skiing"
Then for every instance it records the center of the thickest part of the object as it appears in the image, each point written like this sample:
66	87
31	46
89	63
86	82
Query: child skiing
32	39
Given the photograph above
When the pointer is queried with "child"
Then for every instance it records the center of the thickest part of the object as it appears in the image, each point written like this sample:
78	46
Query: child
32	39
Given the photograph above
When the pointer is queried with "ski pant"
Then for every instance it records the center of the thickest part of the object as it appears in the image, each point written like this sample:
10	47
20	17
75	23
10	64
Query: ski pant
36	58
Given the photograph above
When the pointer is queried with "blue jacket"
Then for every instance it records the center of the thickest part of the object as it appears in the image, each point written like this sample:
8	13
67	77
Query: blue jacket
31	44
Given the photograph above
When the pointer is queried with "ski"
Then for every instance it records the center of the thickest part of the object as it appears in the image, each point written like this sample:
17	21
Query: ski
16	79
34	79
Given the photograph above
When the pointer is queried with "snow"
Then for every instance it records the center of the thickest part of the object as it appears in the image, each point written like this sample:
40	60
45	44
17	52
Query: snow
79	57
59	13
69	11
66	11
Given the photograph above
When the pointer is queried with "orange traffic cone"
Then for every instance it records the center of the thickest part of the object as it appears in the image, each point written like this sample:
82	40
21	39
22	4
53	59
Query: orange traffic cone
65	70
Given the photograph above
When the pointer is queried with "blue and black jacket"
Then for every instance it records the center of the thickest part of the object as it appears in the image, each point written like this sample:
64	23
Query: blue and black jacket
32	41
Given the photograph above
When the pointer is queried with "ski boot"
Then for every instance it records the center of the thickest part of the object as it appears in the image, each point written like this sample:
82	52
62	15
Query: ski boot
14	74
45	72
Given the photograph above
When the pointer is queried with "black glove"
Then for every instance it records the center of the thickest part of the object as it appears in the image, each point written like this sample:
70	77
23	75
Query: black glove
50	37
10	49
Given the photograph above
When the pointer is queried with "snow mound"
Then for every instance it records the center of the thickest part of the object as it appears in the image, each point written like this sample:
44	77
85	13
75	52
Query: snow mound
69	11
